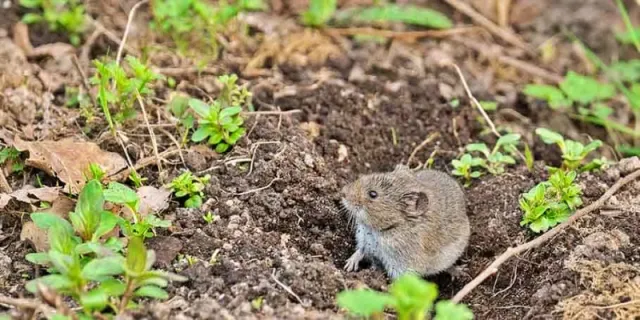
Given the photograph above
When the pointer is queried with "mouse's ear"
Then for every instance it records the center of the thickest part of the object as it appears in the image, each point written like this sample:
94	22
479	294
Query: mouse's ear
415	203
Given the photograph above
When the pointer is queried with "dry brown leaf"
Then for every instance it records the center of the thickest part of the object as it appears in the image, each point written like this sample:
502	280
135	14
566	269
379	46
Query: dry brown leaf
69	160
30	194
153	199
38	237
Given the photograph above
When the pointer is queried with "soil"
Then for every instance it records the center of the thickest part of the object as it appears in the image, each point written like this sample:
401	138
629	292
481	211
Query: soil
280	234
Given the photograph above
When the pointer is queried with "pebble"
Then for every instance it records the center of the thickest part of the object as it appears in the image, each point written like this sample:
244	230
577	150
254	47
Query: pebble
629	165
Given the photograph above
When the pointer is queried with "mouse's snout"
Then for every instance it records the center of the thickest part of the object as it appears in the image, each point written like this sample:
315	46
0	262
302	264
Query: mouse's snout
350	192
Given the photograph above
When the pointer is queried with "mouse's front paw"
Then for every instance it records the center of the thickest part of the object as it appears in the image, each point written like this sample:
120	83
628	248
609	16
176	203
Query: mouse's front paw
353	261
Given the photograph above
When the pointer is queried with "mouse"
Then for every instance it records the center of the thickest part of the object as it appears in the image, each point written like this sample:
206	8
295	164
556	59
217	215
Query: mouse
408	221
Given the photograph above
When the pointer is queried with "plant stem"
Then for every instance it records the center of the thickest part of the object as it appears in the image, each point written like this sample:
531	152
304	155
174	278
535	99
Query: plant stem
124	301
628	24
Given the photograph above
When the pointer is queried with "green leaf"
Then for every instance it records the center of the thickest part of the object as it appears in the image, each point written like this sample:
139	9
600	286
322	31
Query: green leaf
215	138
61	239
449	310
585	89
44	220
86	217
528	157
54	281
222	147
96	299
32	4
508	139
549	137
489	105
319	12
230	112
544	92
108	222
98	269
201	108
41	258
406	14
120	193
113	287
480	147
363	302
152	292
194	201
413	294
31	18
592	146
201	134
136	255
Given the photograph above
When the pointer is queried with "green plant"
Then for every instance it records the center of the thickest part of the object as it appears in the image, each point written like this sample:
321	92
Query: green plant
573	153
136	179
84	260
221	122
385	13
494	160
142	225
409	296
209	217
575	88
551	202
95	172
197	21
60	15
118	89
319	12
189	186
179	106
11	156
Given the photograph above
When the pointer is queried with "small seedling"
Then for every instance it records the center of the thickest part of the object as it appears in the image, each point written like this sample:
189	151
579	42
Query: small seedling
575	88
573	153
137	179
179	107
191	260
84	260
141	226
221	122
209	217
494	160
386	13
95	172
409	296
256	303
119	90
60	15
189	186
319	12
551	202
11	156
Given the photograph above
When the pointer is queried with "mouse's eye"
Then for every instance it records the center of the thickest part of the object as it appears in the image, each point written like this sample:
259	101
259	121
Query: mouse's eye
373	194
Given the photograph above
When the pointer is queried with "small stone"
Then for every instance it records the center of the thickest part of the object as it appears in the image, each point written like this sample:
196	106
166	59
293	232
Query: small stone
232	226
227	246
317	248
342	153
234	219
308	160
237	234
446	91
629	165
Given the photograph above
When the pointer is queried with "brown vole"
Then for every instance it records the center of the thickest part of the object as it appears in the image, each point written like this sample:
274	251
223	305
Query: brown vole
408	221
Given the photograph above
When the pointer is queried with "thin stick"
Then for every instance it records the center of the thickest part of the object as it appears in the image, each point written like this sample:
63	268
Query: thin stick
255	147
531	69
271	113
112	36
144	162
502	33
512	251
154	143
402	34
176	142
285	287
475	101
255	190
127	28
426	141
85	80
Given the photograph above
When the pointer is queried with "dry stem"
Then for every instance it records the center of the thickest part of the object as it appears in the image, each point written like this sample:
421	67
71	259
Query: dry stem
127	28
426	141
153	135
512	251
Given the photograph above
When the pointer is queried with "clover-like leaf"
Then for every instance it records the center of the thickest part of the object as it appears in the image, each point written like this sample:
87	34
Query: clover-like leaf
363	302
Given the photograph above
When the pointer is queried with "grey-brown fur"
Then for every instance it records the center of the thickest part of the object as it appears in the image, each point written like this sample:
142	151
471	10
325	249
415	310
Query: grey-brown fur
417	222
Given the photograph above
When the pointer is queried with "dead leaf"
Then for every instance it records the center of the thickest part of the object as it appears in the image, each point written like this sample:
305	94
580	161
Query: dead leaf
38	237
153	200
30	194
69	160
54	50
166	248
312	129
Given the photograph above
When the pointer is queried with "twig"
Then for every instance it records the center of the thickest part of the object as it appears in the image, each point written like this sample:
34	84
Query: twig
255	147
255	190
127	28
4	184
402	34
285	287
141	164
512	251
271	113
426	141
175	141
502	33
112	36
154	143
475	101
52	298
85	80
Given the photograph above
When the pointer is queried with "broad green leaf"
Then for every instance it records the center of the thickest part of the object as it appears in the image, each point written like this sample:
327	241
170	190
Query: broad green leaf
413	294
194	201
593	145
508	139
108	222
229	112
628	150
120	193
200	134
113	287
548	136
31	18
152	292
44	220
136	256
41	258
61	239
585	89
319	12
201	108
602	110
215	138
156	281
363	302
99	268
489	105
449	310
480	147
222	147
96	299
551	94
54	281
86	216
406	14
626	71
32	4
